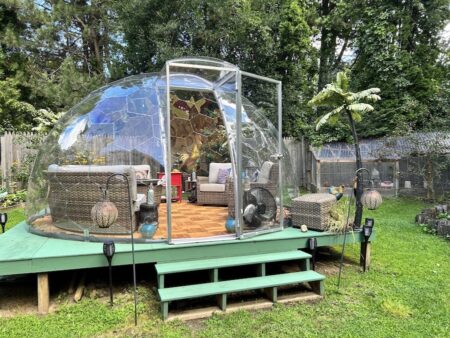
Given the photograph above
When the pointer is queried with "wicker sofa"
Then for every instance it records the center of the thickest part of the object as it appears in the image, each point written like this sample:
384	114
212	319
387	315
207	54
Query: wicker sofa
74	190
208	190
267	178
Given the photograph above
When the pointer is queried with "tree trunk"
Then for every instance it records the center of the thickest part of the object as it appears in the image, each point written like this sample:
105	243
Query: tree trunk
359	187
327	47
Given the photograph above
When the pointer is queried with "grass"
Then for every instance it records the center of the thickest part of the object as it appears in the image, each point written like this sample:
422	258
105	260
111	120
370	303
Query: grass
405	294
15	216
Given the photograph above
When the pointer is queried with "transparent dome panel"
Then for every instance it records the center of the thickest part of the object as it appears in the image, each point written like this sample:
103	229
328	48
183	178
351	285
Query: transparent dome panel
105	148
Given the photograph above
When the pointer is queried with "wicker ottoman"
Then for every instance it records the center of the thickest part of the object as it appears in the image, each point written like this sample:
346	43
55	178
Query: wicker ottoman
312	210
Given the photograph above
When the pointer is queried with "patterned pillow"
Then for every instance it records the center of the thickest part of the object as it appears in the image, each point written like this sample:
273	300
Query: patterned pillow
223	175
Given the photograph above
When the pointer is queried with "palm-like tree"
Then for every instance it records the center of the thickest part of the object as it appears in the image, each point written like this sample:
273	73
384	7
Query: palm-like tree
352	106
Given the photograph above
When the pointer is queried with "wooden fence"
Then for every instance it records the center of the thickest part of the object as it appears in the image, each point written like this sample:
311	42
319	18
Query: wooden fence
299	153
14	147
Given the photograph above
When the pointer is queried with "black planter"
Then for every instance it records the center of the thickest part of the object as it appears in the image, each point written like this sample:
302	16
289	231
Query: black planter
148	213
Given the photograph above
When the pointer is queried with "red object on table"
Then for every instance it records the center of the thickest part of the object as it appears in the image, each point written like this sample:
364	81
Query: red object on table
176	181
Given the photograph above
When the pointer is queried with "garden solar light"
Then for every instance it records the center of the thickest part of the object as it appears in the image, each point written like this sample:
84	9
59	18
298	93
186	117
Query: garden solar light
3	220
312	244
368	227
108	250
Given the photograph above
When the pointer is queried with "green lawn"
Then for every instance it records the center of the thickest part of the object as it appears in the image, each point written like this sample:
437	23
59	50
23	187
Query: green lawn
405	294
15	216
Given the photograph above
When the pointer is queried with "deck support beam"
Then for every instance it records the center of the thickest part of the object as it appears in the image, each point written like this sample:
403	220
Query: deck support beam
43	293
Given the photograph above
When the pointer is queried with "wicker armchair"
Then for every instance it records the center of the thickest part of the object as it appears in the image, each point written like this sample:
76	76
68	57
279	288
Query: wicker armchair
73	194
208	190
267	179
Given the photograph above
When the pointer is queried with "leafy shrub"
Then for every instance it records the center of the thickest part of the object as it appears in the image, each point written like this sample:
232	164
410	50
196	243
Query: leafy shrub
13	199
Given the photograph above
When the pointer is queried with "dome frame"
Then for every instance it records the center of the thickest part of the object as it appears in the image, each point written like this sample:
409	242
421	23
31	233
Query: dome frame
224	82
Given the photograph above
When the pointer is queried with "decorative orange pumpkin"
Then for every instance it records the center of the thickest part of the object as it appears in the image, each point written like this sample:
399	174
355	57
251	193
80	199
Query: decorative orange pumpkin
104	214
371	199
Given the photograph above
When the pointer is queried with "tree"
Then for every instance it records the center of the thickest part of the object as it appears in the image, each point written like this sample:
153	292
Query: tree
16	112
351	106
398	47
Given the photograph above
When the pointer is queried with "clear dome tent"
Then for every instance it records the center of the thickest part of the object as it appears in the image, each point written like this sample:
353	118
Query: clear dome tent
164	137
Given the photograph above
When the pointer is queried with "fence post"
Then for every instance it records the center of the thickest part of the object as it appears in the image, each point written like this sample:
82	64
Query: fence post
397	177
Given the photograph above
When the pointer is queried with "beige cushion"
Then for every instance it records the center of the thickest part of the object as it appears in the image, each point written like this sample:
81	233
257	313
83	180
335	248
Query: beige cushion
264	174
212	187
140	198
214	170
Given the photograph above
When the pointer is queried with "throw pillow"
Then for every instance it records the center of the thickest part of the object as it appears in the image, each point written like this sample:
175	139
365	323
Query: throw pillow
141	174
223	175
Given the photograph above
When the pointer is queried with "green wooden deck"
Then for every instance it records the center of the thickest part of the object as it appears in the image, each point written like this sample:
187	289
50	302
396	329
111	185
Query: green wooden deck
22	252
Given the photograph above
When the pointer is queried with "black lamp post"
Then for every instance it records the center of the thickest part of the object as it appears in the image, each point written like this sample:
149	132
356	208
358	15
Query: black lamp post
108	250
367	232
312	245
3	220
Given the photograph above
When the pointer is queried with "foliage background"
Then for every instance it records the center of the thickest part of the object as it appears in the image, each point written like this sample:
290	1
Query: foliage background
52	53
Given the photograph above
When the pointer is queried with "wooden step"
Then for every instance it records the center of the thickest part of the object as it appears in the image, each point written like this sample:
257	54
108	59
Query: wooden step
268	283
224	262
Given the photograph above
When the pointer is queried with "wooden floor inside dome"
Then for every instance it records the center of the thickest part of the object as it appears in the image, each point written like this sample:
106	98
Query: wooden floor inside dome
190	220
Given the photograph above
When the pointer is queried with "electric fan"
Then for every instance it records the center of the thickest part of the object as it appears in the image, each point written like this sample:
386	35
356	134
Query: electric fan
259	207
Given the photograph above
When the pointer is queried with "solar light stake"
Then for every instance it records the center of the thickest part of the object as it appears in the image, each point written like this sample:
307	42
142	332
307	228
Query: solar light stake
3	220
367	232
312	244
108	250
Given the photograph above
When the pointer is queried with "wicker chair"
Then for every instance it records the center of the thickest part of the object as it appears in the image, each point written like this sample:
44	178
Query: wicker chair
208	190
268	179
73	194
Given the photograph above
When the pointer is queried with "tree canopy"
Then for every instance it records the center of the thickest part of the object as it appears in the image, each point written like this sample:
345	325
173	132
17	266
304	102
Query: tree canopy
52	53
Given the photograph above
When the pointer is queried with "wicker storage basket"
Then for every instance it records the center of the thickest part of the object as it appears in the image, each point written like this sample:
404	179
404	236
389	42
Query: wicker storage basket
73	194
312	210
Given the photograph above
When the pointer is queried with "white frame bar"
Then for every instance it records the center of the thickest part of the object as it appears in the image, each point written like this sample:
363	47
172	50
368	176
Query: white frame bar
280	149
238	200
188	65
168	168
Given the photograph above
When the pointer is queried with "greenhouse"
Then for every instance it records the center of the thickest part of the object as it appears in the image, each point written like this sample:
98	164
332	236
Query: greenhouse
189	128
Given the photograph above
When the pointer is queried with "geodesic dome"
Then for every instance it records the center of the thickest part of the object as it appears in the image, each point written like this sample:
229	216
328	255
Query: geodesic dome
126	126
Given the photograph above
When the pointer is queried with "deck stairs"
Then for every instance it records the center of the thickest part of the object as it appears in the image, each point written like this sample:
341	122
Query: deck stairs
262	280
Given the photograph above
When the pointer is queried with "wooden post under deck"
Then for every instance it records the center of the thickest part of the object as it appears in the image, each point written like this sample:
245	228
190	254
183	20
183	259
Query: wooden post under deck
43	293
